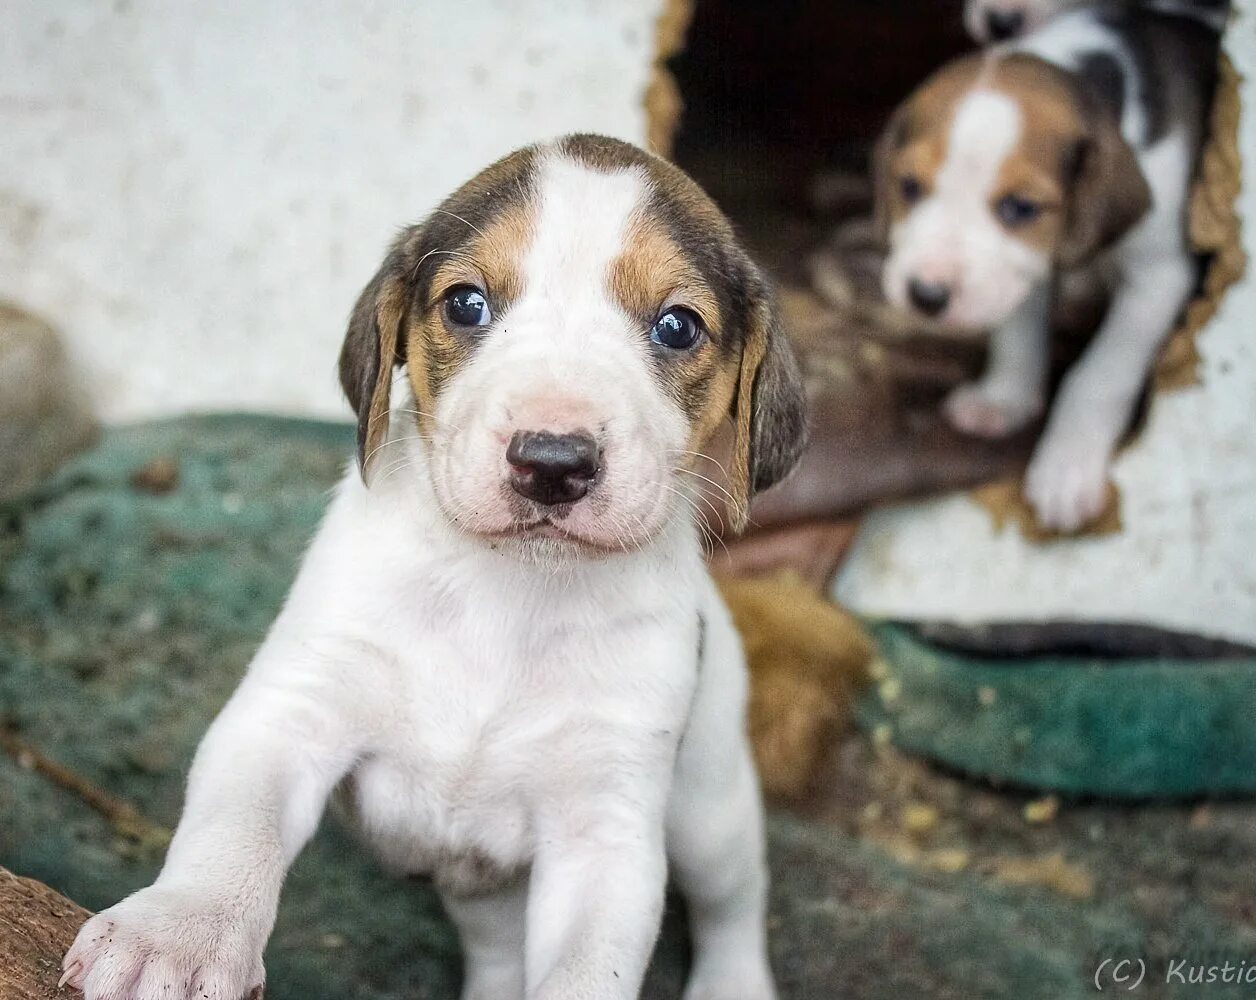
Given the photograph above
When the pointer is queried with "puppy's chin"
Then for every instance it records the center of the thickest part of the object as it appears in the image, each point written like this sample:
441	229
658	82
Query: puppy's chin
547	549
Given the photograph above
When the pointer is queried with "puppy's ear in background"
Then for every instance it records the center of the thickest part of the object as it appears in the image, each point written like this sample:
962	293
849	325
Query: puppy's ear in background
373	347
769	410
1109	194
882	180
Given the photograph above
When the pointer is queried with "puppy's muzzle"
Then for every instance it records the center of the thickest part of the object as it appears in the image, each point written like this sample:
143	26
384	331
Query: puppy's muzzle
552	469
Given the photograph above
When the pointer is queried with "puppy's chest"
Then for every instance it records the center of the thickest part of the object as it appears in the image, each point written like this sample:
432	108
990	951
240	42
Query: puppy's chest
448	797
480	740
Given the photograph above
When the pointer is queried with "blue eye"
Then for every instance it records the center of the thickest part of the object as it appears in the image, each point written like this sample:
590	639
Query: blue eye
1014	211
677	328
467	306
911	189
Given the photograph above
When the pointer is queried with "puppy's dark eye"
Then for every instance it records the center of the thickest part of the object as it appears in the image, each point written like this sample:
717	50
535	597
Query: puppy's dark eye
467	306
677	328
1013	210
910	188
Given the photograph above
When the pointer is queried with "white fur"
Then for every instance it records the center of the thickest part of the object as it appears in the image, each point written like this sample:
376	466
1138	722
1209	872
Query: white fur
526	721
951	237
564	358
1001	284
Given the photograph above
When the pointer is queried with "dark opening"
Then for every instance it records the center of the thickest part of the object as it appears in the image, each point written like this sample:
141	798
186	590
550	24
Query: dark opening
780	94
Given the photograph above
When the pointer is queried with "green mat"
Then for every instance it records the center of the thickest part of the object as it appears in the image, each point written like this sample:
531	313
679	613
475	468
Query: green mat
1126	728
127	616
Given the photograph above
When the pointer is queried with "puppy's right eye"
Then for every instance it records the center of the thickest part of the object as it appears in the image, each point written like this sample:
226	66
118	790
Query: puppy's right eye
467	306
1014	211
910	188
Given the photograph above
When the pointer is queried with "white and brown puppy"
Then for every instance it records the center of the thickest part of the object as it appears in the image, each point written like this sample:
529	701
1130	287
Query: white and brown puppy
1074	145
1001	20
503	649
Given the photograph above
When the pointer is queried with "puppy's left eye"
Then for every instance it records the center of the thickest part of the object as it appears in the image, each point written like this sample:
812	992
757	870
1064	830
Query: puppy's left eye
677	328
1013	210
467	306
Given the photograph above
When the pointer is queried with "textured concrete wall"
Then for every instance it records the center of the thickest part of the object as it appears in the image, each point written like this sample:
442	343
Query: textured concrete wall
1185	558
193	194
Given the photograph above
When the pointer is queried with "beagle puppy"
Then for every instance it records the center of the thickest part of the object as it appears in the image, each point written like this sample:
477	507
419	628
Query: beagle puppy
1001	20
1073	146
503	652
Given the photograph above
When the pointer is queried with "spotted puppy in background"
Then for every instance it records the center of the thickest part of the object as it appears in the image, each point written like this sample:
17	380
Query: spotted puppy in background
1000	20
1075	145
503	650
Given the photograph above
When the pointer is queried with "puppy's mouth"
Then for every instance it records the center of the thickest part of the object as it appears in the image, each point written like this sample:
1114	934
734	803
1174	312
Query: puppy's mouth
545	528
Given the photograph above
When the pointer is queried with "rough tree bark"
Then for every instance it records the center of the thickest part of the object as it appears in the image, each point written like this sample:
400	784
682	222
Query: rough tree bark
37	925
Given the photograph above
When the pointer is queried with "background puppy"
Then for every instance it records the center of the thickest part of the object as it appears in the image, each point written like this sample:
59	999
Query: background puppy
1000	20
505	652
1006	167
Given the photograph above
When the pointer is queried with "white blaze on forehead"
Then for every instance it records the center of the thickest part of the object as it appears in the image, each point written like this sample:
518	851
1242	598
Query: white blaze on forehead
986	128
952	236
582	219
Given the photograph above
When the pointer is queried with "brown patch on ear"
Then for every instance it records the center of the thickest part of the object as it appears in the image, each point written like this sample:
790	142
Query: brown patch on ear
1108	195
370	352
769	411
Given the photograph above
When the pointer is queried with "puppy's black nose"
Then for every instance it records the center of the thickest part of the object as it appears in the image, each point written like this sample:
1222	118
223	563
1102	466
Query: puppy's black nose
1004	24
552	468
928	297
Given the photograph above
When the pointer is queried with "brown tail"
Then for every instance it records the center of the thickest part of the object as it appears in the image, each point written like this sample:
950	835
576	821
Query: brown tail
807	659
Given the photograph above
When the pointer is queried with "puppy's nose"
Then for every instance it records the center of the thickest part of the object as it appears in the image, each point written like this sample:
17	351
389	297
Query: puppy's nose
552	468
1004	24
928	297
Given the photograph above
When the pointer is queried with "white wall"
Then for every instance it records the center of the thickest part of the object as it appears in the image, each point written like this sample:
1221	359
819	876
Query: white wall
194	193
1187	555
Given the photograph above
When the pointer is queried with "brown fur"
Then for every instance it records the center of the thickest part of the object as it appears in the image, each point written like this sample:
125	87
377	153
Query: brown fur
1071	159
492	202
808	658
681	248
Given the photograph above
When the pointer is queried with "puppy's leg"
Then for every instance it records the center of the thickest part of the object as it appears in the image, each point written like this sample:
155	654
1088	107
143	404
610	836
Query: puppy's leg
1067	480
1010	392
255	794
491	928
715	834
595	904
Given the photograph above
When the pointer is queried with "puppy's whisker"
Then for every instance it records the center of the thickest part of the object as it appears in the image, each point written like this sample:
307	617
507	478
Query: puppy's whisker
704	456
414	273
430	416
384	444
455	215
706	479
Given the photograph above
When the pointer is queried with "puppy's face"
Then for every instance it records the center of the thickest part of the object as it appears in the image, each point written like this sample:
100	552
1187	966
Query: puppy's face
1000	20
575	323
991	174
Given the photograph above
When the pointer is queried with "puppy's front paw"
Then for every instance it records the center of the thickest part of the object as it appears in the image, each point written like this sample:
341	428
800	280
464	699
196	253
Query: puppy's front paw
982	411
166	944
1067	485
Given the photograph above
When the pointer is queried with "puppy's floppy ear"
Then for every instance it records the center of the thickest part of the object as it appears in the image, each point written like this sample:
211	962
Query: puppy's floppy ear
1109	193
882	180
373	347
769	409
